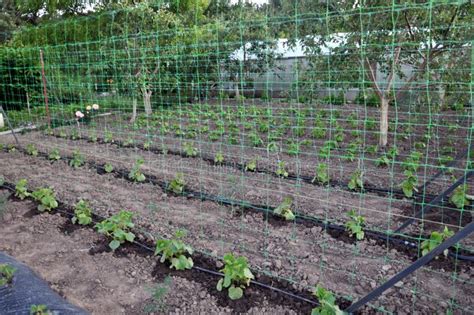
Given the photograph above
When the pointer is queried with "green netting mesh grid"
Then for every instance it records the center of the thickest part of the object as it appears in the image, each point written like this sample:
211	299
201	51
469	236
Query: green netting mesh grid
279	131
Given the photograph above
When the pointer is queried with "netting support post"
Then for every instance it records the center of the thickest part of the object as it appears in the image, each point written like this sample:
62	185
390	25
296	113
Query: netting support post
432	203
413	267
45	90
9	125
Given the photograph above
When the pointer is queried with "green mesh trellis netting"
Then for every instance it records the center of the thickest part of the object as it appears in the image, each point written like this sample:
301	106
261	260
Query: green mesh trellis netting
291	125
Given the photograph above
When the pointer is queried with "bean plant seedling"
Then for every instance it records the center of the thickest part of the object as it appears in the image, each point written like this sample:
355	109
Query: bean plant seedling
21	190
177	184
237	276
54	155
31	150
40	309
77	159
118	228
175	251
82	213
436	238
135	174
322	174
355	225
284	209
251	166
108	168
189	150
6	274
409	185
47	199
327	303
281	169
460	198
356	182
219	158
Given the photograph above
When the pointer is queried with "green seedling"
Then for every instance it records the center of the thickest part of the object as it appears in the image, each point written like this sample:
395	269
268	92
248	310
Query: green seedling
118	228
189	150
460	198
82	213
219	158
175	251
322	174
273	147
237	276
128	143
436	238
21	190
251	166
135	173
177	184
74	134
93	137
63	134
54	155
356	182
40	309
327	303
31	150
6	274
77	159
355	225
409	185
108	137
147	145
47	199
281	169
284	209
108	168
11	148
382	161
158	294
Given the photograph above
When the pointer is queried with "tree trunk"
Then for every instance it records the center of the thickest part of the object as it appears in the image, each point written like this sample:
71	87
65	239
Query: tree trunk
383	139
147	101
237	92
28	103
134	110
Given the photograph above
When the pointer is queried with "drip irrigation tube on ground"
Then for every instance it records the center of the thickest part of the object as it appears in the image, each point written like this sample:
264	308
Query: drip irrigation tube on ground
397	193
267	210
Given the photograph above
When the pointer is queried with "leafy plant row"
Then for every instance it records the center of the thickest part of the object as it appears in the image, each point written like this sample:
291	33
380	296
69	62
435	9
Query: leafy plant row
408	187
237	275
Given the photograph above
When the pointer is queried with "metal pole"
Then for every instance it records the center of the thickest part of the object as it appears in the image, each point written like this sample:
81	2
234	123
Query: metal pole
413	267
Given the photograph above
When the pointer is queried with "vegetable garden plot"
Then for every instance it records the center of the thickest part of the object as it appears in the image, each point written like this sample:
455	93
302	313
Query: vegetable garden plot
266	155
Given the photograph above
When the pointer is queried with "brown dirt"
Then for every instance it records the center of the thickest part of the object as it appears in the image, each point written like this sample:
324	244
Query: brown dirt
304	256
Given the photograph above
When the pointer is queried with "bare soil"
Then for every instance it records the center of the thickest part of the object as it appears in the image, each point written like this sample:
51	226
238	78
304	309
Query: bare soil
303	256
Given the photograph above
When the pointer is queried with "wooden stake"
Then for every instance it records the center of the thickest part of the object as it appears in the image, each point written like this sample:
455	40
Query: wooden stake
45	91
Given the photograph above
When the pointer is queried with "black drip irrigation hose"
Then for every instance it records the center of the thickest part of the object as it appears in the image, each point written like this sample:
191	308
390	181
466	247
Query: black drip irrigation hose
70	213
395	193
399	239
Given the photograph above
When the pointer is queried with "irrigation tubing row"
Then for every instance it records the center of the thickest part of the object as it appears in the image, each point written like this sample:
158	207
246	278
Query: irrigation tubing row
70	213
396	193
399	239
